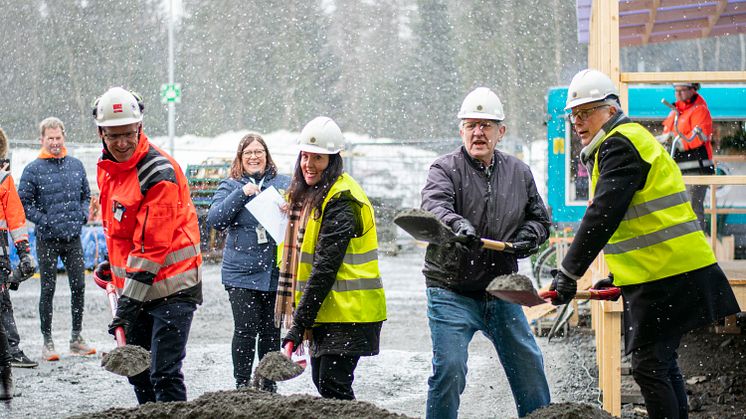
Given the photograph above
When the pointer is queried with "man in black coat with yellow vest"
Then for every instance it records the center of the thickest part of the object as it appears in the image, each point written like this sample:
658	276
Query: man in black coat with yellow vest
640	216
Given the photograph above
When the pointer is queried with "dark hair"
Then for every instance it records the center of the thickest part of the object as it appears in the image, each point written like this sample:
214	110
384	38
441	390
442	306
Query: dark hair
301	194
237	165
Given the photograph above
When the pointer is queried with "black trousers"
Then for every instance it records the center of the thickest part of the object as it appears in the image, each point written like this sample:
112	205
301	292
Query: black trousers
333	375
4	348
71	253
253	328
656	371
164	331
9	321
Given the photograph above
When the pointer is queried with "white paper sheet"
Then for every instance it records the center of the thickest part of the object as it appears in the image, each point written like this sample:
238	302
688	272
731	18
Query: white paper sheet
265	207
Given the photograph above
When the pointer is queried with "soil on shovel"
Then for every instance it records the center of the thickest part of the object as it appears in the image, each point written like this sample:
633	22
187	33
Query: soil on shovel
127	360
276	366
515	288
511	282
570	411
249	403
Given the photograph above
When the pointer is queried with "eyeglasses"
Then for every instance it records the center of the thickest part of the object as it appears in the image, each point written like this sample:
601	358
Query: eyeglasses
250	153
584	114
123	136
484	126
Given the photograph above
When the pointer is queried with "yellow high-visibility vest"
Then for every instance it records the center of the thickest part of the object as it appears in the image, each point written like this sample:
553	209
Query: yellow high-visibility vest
659	236
357	294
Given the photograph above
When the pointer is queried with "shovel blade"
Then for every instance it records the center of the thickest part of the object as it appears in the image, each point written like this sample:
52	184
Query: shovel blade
515	288
276	366
424	226
127	360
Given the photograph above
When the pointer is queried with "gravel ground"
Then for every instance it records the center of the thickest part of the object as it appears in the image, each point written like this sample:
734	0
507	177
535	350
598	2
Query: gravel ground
395	380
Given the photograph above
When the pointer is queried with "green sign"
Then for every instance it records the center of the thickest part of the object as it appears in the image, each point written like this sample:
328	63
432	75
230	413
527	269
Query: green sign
171	92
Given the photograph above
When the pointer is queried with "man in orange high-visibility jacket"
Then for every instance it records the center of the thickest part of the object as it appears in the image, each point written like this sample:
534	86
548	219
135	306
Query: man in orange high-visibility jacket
691	138
13	221
153	241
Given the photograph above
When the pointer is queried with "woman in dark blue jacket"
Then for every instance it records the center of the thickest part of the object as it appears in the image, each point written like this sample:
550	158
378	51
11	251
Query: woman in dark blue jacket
249	269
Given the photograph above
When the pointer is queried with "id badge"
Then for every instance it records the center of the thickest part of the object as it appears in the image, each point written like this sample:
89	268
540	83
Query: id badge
118	211
261	235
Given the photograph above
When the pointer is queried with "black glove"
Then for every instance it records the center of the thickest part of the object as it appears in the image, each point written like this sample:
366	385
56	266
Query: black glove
604	283
103	271
522	249
27	264
295	335
127	311
565	286
465	232
525	243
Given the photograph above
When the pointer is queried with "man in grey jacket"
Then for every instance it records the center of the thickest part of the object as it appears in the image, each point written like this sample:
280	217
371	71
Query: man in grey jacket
481	192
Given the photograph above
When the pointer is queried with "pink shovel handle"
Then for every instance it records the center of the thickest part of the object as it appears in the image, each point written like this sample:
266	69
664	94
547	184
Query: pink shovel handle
590	294
111	293
287	350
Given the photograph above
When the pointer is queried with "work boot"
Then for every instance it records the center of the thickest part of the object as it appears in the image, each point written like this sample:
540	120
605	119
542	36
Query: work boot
48	353
6	383
20	360
268	385
79	347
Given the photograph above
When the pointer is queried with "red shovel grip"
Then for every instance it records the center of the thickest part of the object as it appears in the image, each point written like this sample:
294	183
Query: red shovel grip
287	350
610	293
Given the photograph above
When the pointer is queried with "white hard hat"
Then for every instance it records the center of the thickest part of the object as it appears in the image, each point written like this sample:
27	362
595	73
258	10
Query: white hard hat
482	103
692	85
322	135
589	86
117	107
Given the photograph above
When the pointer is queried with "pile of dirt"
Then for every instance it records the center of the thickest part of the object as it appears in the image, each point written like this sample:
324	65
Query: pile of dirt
569	411
714	367
249	403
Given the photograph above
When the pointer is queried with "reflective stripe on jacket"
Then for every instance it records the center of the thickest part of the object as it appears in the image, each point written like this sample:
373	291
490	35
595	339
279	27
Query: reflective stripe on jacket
659	236
150	223
357	294
12	216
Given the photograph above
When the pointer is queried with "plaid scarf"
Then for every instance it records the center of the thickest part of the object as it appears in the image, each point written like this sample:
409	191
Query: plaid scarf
289	267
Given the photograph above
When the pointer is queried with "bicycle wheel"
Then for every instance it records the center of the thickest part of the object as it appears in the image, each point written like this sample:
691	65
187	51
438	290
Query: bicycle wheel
546	261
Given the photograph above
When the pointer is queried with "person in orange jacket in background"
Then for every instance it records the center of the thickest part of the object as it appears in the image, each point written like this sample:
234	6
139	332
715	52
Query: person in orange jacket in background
153	241
688	129
13	220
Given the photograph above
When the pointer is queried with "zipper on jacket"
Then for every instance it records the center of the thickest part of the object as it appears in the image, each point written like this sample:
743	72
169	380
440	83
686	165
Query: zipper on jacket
142	241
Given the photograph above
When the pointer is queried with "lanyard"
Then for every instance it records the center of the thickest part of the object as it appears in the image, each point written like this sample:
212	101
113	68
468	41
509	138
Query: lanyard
261	182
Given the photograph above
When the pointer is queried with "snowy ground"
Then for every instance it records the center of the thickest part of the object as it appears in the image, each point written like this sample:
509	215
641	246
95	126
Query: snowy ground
396	379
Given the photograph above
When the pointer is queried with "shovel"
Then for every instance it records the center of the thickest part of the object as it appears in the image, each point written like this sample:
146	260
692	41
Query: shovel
278	366
426	227
125	360
518	289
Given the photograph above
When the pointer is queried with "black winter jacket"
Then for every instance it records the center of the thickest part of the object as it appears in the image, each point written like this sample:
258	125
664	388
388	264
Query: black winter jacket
499	201
55	195
339	224
658	309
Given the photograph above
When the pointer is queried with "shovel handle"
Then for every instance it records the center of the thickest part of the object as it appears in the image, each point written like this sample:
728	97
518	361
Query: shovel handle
611	293
119	336
494	245
287	350
111	294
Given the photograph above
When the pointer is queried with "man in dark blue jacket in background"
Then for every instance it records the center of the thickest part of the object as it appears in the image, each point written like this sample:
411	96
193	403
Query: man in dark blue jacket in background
55	195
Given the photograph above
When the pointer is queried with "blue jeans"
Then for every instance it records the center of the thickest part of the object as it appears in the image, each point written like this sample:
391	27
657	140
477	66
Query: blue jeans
164	331
453	321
